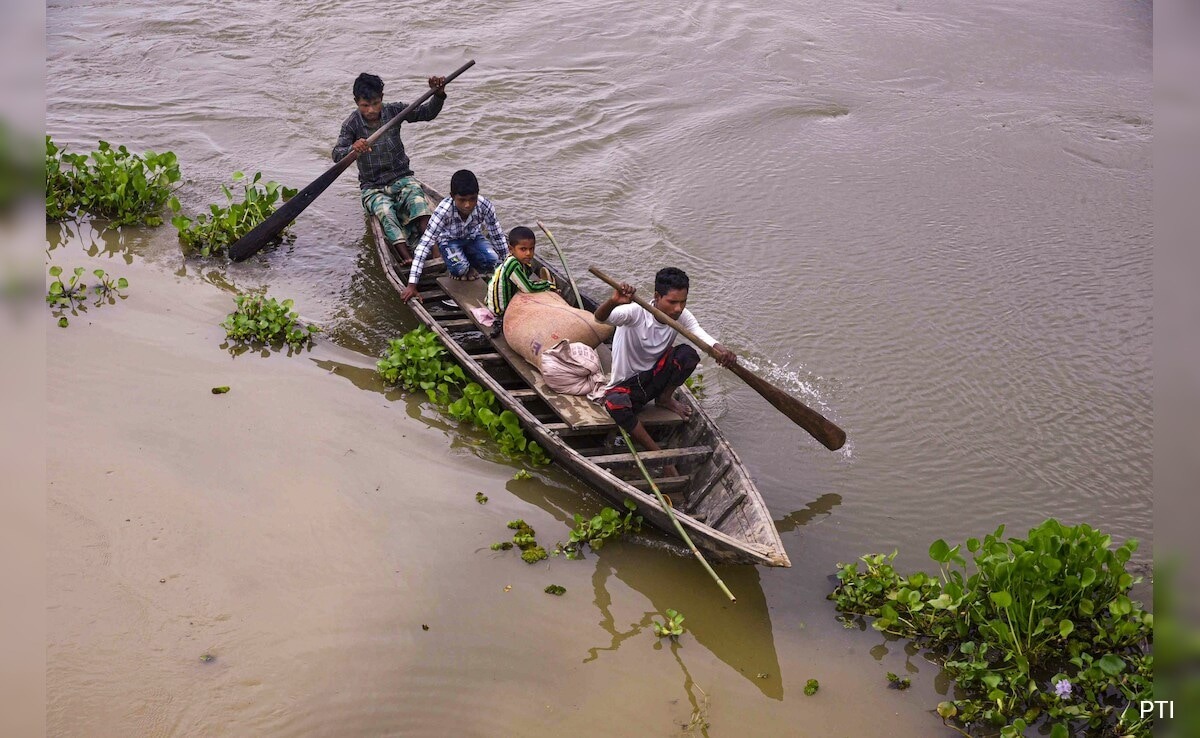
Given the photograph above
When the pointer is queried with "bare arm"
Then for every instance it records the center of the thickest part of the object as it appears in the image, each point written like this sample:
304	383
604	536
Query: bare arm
429	109
725	357
620	296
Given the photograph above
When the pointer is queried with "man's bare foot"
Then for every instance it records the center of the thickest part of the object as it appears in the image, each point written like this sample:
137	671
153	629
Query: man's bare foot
468	277
675	406
670	470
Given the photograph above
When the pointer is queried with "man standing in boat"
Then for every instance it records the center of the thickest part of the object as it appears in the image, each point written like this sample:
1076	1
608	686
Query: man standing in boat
646	365
389	190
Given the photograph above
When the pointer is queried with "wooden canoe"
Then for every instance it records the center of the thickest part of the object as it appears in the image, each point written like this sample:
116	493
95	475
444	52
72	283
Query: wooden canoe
716	500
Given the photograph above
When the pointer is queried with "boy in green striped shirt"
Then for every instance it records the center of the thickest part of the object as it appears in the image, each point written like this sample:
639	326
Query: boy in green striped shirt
515	274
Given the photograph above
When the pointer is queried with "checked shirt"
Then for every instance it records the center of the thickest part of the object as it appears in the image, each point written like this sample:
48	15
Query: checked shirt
446	225
386	161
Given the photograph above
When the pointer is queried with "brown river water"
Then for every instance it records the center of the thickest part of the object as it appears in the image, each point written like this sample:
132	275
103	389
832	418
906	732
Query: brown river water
929	221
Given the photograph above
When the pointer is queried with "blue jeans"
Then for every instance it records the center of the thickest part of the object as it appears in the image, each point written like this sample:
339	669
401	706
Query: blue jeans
463	253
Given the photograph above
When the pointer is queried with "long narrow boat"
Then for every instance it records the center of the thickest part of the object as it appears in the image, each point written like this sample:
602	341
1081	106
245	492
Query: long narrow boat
721	508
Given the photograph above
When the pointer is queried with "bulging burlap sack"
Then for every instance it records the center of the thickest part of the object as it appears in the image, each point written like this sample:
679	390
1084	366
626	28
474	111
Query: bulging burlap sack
573	369
534	321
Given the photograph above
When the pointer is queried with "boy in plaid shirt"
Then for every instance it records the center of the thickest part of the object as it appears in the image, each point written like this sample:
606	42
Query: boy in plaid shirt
457	227
389	190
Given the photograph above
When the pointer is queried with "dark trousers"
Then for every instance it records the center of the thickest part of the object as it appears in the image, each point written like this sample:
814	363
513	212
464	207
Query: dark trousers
625	400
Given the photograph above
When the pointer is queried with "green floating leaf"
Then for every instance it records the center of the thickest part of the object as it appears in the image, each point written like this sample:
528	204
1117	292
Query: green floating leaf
811	687
1111	664
63	322
219	390
939	551
556	590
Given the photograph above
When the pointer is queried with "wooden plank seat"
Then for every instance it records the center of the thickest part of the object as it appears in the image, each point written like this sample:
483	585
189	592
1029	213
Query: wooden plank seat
664	484
666	455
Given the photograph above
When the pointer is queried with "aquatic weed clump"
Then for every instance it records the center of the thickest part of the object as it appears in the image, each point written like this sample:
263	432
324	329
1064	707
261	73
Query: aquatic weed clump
607	525
418	361
266	321
524	540
110	183
1042	632
213	232
533	554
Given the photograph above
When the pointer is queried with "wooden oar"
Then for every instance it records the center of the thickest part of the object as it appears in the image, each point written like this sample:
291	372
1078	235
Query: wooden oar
249	244
822	429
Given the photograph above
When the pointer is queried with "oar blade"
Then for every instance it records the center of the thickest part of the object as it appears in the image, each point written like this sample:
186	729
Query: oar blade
818	426
268	230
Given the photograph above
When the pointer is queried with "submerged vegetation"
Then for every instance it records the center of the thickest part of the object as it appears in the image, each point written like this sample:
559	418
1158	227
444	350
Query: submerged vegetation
1041	632
222	226
418	361
110	183
268	322
898	682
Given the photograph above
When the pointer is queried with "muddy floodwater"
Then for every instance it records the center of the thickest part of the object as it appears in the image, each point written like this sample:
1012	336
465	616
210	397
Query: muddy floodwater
929	221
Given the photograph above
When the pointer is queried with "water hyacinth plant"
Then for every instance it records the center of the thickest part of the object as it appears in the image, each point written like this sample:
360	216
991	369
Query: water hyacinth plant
606	525
266	321
70	293
108	288
110	183
1040	631
672	627
65	293
215	231
418	361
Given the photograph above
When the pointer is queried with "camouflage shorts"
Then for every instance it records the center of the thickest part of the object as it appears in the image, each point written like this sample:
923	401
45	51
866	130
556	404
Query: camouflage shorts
396	206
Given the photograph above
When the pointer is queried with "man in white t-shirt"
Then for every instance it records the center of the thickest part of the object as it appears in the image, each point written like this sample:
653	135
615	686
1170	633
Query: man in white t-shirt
646	365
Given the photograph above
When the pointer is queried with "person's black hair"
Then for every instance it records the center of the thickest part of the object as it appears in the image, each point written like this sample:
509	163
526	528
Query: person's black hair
368	87
670	278
520	233
464	183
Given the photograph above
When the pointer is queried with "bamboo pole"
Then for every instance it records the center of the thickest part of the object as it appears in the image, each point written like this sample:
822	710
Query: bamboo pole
671	514
563	261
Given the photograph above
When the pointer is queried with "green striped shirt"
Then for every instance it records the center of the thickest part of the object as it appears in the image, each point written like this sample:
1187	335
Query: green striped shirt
510	278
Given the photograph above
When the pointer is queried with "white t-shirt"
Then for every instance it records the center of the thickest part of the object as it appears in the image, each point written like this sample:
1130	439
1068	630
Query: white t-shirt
640	339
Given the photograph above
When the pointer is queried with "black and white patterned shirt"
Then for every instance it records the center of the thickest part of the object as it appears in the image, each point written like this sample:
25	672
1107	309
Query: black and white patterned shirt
386	162
447	225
